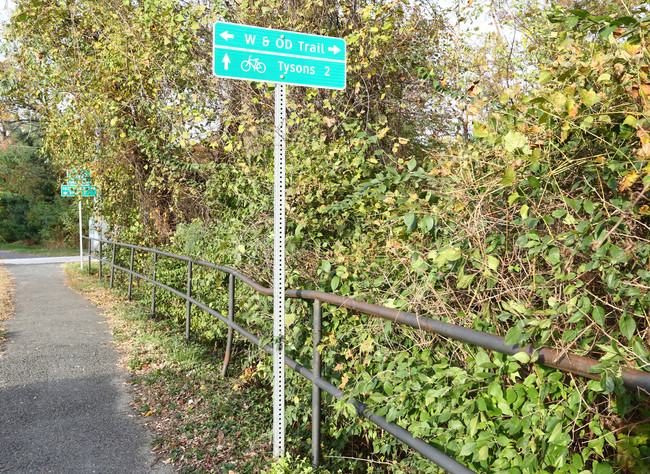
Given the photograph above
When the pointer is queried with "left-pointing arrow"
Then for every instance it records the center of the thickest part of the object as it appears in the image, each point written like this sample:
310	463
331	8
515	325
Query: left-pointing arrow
226	36
226	61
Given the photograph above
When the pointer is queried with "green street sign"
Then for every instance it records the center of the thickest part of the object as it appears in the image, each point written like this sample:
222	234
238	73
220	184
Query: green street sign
284	57
74	191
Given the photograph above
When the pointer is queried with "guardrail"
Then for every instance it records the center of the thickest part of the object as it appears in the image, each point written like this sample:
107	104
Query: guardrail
632	379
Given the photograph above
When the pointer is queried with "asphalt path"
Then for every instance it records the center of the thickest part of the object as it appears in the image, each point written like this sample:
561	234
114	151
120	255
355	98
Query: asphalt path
64	406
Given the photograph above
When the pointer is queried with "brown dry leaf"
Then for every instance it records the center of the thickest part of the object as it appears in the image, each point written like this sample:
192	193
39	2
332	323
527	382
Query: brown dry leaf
344	381
338	367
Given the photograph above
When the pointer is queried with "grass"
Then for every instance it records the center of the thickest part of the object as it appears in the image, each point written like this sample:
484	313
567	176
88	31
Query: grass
6	300
46	250
201	422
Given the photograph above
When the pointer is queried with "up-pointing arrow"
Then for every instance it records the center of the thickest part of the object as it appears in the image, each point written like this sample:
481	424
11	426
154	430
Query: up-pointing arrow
226	36
334	49
226	61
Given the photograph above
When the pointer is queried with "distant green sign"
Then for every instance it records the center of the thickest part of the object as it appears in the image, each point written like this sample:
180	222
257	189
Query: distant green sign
78	175
74	191
284	57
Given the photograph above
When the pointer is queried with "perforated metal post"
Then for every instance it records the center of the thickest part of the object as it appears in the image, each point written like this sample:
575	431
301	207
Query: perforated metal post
278	269
100	259
188	316
315	391
81	239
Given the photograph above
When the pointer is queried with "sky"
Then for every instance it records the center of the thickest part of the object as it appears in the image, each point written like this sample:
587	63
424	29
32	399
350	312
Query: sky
6	7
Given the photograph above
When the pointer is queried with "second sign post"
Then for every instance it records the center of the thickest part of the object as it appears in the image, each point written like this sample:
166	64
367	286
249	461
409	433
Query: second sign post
281	57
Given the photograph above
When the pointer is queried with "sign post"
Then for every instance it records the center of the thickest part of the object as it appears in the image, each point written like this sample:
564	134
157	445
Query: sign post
281	57
79	185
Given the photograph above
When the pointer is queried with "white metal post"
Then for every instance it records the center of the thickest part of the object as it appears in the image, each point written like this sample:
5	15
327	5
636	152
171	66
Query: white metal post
278	269
81	243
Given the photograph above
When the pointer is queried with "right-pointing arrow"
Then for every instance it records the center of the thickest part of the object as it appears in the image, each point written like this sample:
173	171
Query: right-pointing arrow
226	61
334	49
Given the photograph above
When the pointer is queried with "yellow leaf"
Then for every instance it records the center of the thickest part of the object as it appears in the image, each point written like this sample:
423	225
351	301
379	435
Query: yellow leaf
403	141
344	381
632	49
382	133
629	180
149	413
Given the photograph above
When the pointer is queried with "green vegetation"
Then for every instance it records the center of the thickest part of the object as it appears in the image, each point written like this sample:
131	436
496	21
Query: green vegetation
31	209
495	181
48	251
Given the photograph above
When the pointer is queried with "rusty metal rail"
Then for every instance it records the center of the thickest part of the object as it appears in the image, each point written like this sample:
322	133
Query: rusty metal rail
632	379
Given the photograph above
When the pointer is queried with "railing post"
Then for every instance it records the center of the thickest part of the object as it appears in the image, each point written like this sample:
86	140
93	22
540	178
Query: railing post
153	286
315	391
100	259
112	266
130	273
90	246
188	317
231	317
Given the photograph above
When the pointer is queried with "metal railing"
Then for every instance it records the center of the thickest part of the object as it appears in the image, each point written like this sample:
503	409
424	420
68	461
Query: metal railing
632	379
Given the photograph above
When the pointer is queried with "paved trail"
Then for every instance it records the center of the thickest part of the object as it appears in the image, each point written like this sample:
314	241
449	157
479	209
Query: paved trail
63	404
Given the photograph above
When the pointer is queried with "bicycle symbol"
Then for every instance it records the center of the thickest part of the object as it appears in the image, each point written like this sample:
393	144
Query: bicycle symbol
253	64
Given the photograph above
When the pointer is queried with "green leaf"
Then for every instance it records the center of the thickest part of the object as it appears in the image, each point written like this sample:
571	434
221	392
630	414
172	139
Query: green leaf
598	314
627	325
465	281
557	99
508	177
589	97
467	449
553	255
448	255
521	357
493	262
557	430
410	220
631	121
426	224
514	140
605	32
334	284
545	76
483	453
412	164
